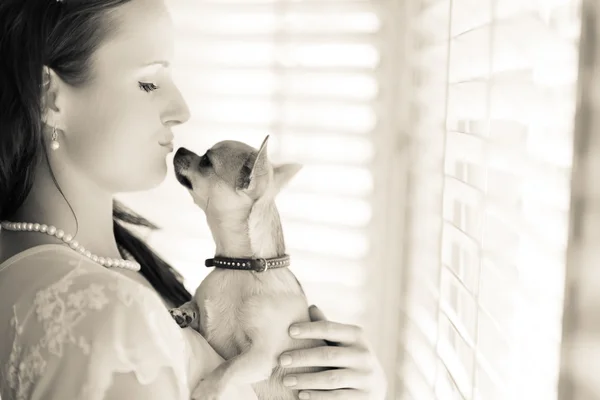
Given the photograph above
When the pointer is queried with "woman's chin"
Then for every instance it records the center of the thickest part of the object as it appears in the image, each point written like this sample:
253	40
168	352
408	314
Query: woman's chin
149	179
157	175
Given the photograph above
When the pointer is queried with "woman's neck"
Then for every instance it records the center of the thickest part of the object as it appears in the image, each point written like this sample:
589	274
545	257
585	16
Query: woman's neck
93	207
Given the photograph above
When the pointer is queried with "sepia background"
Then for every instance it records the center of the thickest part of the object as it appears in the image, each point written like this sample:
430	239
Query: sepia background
434	206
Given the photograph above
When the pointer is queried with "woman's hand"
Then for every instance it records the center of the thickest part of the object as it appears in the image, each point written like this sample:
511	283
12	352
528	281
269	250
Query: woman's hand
356	372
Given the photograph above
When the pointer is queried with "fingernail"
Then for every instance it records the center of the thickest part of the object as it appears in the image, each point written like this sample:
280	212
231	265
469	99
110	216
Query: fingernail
290	381
294	331
304	395
285	359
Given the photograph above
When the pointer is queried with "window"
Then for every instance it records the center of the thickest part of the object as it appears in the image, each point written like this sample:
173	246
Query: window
580	357
306	74
494	102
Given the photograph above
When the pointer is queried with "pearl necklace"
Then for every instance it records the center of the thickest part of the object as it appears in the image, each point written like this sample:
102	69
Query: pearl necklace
129	264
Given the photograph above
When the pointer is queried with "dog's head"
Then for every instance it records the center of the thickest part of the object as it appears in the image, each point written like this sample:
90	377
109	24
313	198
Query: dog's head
231	175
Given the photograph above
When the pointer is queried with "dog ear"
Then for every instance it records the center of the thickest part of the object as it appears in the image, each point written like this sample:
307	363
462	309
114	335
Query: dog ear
283	173
255	170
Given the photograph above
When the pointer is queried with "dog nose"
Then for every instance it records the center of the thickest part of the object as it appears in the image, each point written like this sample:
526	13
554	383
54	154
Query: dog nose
182	152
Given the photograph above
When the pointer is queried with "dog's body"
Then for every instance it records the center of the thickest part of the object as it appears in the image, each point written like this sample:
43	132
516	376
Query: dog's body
255	318
244	315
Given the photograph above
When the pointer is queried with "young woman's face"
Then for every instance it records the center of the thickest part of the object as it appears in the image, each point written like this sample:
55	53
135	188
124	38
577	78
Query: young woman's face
115	125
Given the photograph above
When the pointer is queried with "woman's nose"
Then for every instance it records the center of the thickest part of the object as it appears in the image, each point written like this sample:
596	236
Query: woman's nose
178	110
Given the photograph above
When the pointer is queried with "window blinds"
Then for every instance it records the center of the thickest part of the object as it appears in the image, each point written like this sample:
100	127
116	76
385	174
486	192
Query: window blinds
494	101
303	72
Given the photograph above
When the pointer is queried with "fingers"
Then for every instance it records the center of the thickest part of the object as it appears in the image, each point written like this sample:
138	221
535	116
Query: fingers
326	380
345	394
326	356
343	334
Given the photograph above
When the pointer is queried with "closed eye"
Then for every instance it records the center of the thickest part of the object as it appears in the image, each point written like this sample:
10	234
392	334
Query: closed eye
147	86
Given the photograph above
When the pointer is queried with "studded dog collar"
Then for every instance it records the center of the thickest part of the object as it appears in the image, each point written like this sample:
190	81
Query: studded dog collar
249	264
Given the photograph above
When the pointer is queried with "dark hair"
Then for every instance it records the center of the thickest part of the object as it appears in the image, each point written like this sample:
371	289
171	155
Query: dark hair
62	35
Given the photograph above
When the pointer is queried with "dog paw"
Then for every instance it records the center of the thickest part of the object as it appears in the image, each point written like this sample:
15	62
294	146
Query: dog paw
207	389
182	317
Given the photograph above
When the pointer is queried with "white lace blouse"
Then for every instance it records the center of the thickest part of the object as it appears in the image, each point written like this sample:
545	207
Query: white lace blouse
71	329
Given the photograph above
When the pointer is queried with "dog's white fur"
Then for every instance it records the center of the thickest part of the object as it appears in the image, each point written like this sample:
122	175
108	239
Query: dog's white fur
244	315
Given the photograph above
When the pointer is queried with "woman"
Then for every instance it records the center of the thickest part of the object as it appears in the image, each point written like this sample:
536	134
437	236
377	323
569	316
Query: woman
87	106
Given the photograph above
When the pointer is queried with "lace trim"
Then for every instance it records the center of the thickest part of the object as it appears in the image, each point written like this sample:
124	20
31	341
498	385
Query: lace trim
59	310
136	360
58	318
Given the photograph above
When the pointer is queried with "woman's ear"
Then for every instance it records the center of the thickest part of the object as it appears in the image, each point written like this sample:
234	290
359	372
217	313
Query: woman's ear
51	84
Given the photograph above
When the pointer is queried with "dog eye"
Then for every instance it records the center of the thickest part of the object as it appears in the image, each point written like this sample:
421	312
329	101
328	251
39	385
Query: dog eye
205	161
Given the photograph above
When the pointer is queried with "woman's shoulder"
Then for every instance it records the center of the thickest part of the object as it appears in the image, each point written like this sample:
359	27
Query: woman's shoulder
48	283
56	291
45	275
69	316
42	260
56	270
44	264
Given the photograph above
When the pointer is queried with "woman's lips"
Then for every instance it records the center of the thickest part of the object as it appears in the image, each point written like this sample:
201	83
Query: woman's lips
167	142
168	145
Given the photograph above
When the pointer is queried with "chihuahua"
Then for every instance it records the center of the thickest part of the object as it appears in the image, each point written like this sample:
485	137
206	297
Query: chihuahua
244	306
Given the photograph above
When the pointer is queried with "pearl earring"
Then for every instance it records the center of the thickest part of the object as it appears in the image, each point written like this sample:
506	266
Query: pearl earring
54	145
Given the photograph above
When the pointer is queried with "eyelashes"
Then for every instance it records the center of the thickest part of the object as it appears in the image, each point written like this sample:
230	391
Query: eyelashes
147	87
